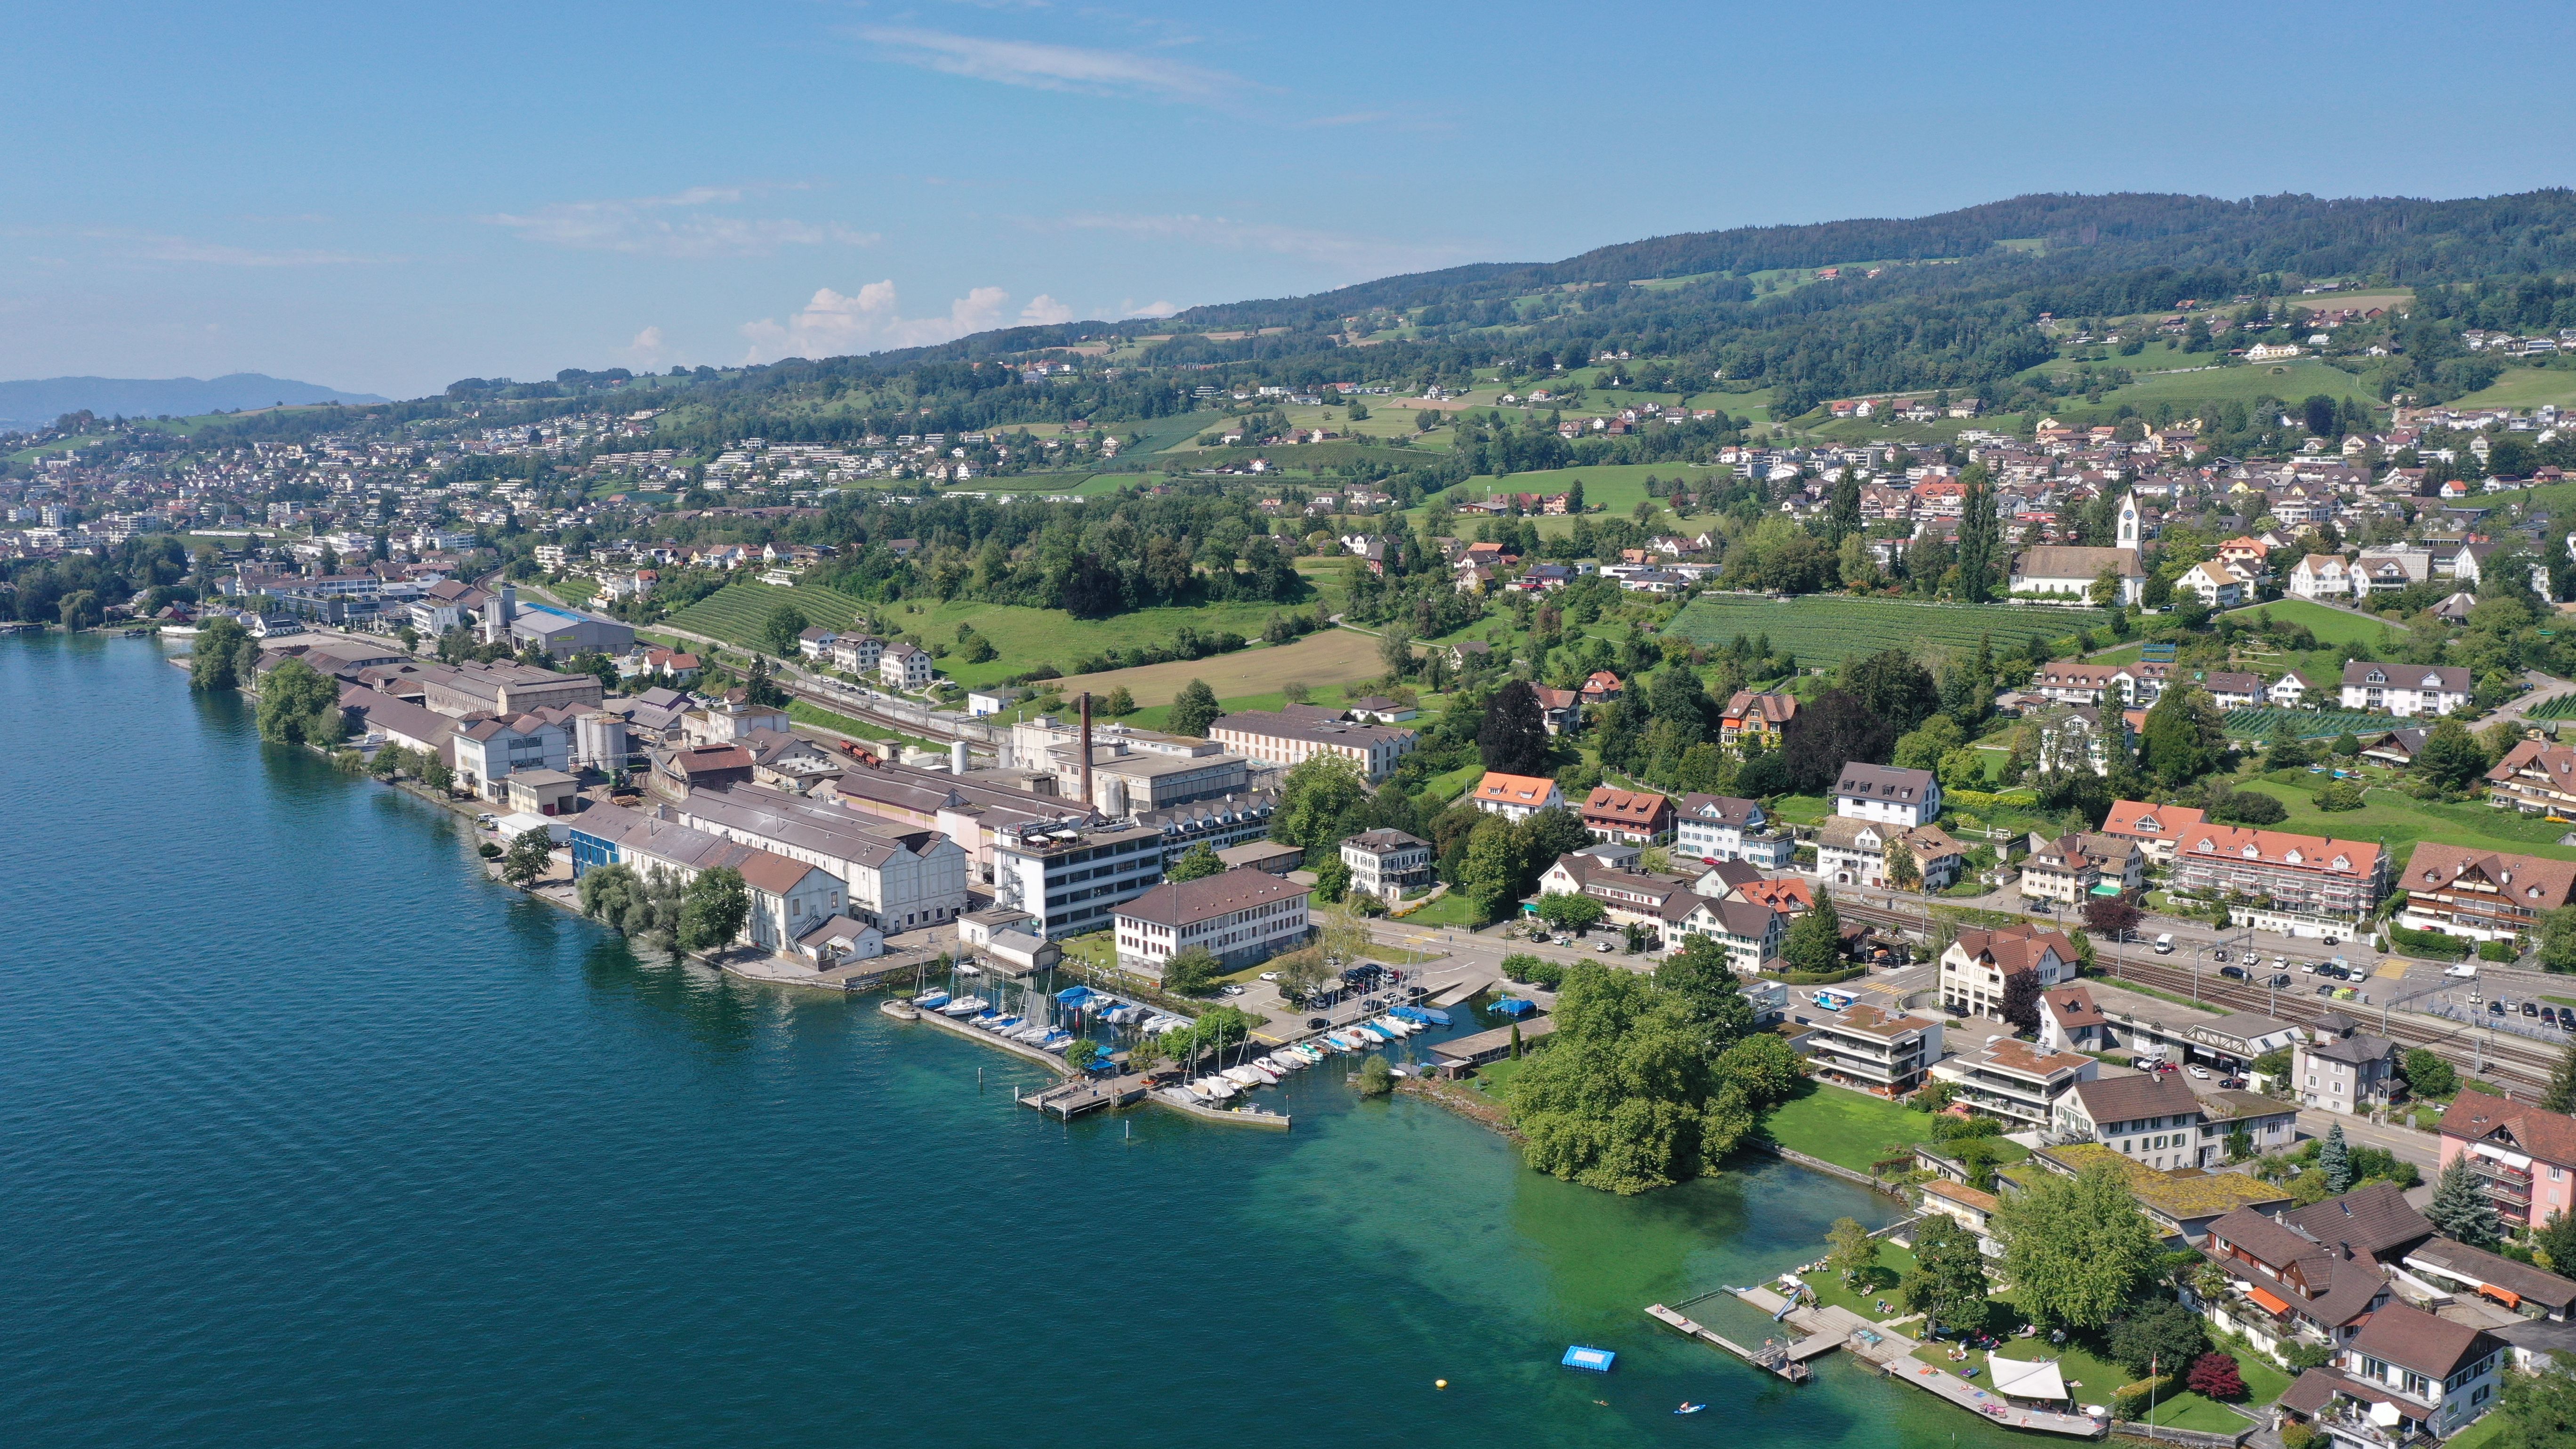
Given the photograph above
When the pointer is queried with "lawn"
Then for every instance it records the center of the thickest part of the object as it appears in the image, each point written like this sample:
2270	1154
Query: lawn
1875	1283
1826	628
2290	381
1613	489
576	590
2399	821
1846	1128
1453	909
2525	387
2333	627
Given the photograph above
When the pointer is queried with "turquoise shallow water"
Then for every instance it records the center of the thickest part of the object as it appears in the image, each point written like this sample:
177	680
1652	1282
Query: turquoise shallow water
309	1136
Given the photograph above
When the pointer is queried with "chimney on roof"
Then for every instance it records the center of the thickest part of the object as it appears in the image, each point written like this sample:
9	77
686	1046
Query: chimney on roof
1085	702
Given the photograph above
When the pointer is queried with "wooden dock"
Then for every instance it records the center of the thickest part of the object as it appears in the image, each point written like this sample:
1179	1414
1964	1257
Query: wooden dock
1780	1359
1892	1354
1068	1100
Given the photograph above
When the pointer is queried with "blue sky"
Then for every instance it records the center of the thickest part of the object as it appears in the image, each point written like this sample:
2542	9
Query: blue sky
387	198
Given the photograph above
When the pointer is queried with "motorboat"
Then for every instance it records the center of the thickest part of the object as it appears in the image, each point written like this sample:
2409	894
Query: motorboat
1199	1092
1268	1077
1281	1063
1369	1035
1243	1077
969	968
1398	1025
1219	1088
966	1006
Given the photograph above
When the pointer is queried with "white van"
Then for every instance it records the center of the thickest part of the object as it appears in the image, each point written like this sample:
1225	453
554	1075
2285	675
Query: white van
2164	944
2463	971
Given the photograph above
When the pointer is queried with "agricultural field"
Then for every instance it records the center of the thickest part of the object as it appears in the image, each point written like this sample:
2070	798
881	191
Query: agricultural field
1331	657
2262	724
1025	638
2563	707
1827	628
2289	381
736	612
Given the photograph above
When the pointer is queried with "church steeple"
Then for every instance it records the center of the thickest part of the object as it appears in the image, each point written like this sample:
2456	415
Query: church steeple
2129	520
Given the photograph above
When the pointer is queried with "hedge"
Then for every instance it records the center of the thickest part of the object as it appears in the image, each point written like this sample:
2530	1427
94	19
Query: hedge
2429	943
1815	978
2131	1400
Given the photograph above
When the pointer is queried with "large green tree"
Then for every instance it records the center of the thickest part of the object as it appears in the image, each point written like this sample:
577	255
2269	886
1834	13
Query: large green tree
1197	861
2461	1208
2539	1410
1949	1278
1314	796
1814	942
714	909
1512	737
2183	739
213	663
1619	1100
2077	1249
1193	710
527	858
1706	994
2450	758
298	705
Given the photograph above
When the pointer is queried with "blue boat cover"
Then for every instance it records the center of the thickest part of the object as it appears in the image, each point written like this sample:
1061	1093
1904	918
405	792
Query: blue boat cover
1074	995
1598	1360
1514	1007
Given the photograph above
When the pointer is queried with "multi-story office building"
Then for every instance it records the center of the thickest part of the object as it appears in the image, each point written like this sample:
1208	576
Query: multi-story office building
1071	875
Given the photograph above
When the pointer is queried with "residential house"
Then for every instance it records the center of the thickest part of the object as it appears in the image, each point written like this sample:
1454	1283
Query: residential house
1752	718
1386	863
857	653
904	666
2183	1203
2213	584
2404	1373
1975	972
1854	852
2397	748
2312	1280
2524	1157
2232	690
2074	869
2290	691
1969	1207
1516	797
1238	916
1724	827
2150	1117
815	643
2536	777
2405	690
1628	817
2340	1069
1601	687
2015	1081
2069	1021
1885	793
1560	710
2483	894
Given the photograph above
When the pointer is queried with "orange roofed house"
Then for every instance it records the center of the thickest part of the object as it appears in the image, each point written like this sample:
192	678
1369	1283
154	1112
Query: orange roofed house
2481	894
1516	797
1755	719
2310	885
1627	817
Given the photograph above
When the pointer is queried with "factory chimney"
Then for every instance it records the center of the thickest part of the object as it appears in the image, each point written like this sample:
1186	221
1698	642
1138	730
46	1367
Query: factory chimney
1086	750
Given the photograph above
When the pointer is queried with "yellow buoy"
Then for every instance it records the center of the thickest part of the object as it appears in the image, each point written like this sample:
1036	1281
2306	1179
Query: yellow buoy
1439	1383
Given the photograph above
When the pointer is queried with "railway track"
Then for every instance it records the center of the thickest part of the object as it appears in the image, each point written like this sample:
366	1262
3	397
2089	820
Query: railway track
2500	1059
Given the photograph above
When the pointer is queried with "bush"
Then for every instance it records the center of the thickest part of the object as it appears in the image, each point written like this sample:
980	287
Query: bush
2498	951
488	851
2130	1400
2214	1376
2295	1435
2429	943
2339	795
1376	1078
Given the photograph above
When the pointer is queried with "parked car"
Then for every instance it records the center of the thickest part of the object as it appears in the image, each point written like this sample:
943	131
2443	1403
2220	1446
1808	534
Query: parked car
2325	989
2235	973
2281	980
1232	991
2529	1009
2495	1008
1603	948
2164	944
2218	954
2465	970
2307	968
2197	1070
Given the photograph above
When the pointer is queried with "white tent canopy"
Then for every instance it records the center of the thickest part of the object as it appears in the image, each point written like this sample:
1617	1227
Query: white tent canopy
2021	1379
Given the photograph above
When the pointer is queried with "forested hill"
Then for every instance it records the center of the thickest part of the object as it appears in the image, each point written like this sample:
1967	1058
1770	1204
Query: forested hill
1927	303
2396	240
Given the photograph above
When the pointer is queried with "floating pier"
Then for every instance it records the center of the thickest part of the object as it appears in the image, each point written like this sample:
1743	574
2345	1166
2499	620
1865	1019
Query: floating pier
1779	1359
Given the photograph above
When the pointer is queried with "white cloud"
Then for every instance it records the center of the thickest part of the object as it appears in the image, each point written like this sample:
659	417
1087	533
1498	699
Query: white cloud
646	350
1041	66
679	225
1158	308
1360	255
832	323
1045	311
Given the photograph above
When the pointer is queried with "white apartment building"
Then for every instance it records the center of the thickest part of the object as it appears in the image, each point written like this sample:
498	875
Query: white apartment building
2405	690
1385	863
1300	732
903	666
1884	792
1723	827
1239	917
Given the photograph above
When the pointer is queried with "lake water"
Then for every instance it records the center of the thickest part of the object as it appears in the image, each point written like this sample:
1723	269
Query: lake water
311	1136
